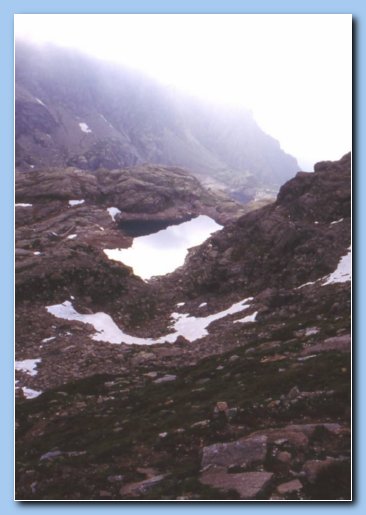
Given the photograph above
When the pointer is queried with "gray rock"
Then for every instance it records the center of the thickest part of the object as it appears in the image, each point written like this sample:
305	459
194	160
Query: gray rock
115	479
337	343
293	393
142	357
204	380
288	434
248	484
48	456
268	346
289	487
309	429
151	375
165	379
243	452
134	489
201	424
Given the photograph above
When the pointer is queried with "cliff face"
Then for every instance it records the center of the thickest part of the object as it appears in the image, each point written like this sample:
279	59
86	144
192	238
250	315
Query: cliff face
72	110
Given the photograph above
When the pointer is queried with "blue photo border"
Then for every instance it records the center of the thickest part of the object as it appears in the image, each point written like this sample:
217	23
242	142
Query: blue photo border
7	9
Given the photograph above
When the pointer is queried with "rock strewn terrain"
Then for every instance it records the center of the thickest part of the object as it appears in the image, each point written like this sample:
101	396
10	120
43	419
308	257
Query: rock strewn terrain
256	410
104	436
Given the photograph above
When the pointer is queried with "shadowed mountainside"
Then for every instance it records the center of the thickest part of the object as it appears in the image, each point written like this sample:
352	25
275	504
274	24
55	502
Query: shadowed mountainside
73	110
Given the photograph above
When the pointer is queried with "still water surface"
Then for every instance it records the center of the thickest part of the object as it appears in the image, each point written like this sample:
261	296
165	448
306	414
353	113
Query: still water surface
164	251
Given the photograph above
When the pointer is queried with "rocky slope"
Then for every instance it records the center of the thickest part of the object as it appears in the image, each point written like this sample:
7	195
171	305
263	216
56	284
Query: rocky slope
72	110
255	406
297	239
141	193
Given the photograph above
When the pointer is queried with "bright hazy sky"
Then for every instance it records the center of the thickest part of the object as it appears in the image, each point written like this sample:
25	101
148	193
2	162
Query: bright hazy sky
293	71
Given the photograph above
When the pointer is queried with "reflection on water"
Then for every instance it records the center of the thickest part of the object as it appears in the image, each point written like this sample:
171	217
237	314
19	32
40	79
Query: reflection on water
164	251
137	228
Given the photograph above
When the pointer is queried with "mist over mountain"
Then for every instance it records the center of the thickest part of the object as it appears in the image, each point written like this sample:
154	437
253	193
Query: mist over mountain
75	110
223	373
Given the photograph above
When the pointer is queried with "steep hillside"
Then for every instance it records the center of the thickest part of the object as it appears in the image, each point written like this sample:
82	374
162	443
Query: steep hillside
73	110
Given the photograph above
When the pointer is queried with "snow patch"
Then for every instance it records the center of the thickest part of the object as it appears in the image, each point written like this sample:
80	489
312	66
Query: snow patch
76	202
106	329
71	236
180	304
113	211
28	366
29	393
191	328
343	272
23	205
311	330
40	101
249	318
337	221
307	357
45	340
36	253
202	305
306	284
84	127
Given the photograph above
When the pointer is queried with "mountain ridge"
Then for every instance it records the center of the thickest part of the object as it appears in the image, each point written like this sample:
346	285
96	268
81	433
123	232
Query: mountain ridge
73	110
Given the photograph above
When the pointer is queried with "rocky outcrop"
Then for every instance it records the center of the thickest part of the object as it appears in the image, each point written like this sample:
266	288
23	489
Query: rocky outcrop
298	239
141	193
